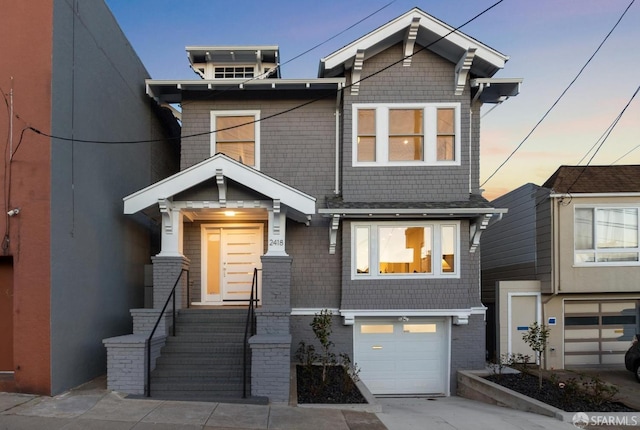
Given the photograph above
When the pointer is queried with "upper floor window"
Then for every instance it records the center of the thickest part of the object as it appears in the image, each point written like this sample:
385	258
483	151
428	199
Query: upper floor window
405	250
237	135
605	235
406	134
233	72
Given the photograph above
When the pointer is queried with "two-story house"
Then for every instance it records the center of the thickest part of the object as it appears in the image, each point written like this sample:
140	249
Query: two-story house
356	191
567	255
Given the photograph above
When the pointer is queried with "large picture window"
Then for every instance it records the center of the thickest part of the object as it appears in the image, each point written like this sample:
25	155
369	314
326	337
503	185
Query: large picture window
237	135
606	235
406	134
405	250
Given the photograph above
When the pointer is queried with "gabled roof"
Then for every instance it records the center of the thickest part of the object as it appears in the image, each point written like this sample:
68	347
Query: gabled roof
595	179
415	26
220	165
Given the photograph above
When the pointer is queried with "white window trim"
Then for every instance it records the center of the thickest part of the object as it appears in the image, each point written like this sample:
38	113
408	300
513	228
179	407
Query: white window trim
382	134
374	254
609	250
256	124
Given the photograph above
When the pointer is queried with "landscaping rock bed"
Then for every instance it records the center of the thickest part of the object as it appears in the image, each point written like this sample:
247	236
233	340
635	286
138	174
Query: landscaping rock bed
561	395
338	388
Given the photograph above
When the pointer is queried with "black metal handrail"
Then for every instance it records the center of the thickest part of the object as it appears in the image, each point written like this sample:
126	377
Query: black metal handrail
249	328
147	388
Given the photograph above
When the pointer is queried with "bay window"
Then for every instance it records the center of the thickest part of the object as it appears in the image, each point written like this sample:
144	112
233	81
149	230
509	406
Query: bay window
406	134
405	250
604	235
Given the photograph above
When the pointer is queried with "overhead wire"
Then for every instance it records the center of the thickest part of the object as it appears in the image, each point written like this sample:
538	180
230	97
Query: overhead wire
559	98
607	134
279	66
262	119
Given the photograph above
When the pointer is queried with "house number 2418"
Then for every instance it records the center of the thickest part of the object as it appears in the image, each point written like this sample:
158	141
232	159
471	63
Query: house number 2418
276	242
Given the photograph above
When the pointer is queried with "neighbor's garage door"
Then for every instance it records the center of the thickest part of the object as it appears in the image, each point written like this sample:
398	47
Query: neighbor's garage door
402	357
598	332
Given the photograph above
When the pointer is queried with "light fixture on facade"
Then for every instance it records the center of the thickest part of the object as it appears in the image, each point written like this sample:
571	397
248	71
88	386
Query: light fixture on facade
230	213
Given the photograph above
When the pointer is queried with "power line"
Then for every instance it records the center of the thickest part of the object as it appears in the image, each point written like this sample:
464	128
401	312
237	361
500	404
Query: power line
607	134
559	98
279	66
627	153
209	132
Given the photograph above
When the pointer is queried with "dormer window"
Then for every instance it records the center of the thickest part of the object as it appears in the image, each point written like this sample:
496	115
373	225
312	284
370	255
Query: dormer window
233	72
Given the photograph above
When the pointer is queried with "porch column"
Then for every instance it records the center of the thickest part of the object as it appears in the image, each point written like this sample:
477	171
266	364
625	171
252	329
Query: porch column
166	270
171	229
271	346
277	230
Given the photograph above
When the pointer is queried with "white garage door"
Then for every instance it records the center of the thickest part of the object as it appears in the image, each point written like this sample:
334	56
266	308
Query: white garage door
402	357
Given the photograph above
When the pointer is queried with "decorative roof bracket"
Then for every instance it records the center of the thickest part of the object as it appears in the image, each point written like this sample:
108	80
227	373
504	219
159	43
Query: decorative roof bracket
476	228
356	72
222	188
462	70
333	233
410	40
166	209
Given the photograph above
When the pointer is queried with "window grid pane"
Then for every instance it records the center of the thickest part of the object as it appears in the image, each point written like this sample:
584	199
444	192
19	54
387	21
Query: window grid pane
366	135
446	135
448	238
362	250
406	137
404	250
235	137
606	235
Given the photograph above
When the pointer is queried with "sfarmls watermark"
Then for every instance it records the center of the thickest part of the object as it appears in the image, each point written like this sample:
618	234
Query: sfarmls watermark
582	420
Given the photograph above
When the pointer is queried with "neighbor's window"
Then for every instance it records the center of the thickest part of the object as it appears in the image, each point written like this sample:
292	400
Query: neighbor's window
396	249
237	136
606	236
406	134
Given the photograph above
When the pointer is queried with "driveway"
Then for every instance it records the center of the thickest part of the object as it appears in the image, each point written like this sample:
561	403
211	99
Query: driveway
629	388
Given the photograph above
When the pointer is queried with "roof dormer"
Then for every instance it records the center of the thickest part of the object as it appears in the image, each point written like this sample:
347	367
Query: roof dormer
234	62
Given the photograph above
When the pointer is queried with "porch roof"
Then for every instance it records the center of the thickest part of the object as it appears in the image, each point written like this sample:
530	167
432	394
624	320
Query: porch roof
221	165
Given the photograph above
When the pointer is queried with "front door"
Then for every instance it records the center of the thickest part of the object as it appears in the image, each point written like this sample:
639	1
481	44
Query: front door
229	255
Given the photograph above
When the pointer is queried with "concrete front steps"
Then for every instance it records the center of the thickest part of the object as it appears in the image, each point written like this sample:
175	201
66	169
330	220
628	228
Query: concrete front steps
204	361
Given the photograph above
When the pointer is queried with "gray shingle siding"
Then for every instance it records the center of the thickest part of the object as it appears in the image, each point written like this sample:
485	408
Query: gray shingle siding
297	148
315	277
428	80
436	293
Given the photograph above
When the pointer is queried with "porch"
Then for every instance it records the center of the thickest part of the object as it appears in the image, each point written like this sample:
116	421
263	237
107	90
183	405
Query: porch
221	222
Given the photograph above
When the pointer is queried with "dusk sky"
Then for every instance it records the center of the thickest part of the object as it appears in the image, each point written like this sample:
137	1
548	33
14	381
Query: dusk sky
548	42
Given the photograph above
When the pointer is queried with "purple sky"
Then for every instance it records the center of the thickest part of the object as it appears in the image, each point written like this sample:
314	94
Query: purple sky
548	42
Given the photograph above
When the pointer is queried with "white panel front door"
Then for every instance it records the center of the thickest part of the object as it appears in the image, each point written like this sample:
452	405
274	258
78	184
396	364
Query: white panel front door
230	255
402	357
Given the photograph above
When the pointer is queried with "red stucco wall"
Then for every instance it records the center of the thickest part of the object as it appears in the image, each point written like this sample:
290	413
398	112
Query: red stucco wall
25	53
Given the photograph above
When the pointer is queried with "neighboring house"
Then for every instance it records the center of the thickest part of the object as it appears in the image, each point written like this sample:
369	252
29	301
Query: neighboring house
71	264
357	192
567	254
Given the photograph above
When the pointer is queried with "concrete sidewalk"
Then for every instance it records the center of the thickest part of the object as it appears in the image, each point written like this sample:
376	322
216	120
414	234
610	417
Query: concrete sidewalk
93	407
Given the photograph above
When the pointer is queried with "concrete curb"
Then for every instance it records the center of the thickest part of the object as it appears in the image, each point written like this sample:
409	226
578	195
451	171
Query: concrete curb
472	385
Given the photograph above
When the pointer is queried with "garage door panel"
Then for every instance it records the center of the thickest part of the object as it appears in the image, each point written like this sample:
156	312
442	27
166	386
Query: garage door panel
599	332
615	346
582	334
410	359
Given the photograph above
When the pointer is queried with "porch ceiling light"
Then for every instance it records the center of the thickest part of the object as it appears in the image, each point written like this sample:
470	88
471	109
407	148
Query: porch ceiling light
230	213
